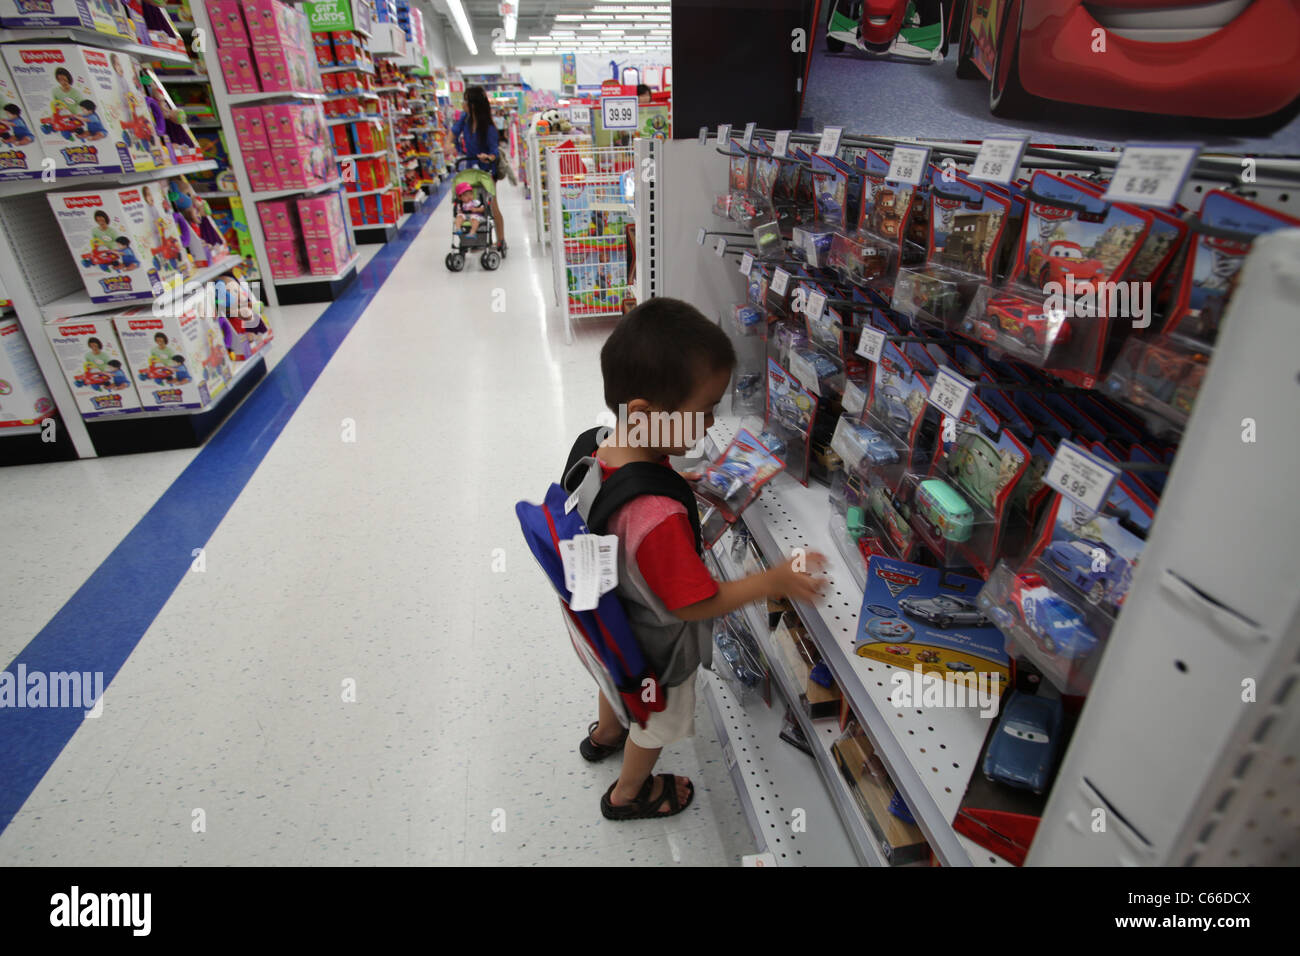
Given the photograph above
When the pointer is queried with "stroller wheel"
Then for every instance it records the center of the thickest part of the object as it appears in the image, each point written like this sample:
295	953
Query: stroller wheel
491	259
455	261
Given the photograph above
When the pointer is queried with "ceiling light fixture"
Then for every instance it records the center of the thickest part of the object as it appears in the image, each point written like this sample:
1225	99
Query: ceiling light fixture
457	11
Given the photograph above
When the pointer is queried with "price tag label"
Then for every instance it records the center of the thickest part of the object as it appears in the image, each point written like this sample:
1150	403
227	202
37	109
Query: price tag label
618	112
699	236
704	136
582	115
908	164
780	281
724	135
1151	175
998	160
749	135
855	398
871	344
950	392
746	264
781	145
720	247
803	370
830	143
1079	476
814	305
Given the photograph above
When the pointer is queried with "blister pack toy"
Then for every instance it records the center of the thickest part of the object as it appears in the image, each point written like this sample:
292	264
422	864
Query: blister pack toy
729	484
791	409
812	241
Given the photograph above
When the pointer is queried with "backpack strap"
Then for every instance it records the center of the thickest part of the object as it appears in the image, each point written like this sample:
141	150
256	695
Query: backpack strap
644	478
584	447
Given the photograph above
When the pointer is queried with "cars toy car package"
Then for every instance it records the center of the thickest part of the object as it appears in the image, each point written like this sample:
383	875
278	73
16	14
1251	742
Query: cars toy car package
898	396
928	617
791	409
965	233
812	241
728	485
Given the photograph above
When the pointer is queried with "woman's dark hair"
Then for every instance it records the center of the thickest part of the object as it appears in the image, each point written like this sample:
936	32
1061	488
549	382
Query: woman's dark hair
63	72
661	351
643	90
99	213
94	341
479	110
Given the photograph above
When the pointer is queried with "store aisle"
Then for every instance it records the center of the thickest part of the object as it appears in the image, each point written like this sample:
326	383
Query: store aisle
368	668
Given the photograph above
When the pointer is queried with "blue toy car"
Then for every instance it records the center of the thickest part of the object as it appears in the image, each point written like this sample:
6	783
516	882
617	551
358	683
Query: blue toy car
1023	750
727	481
773	443
747	386
1077	561
891	407
875	447
1058	628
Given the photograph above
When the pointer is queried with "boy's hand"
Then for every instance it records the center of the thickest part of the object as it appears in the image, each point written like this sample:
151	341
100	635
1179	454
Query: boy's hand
794	578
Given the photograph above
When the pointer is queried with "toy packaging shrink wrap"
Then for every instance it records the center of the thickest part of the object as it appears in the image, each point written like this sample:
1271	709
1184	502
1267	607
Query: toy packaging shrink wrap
788	424
728	485
178	359
870	255
102	16
24	397
86	107
124	241
811	241
94	365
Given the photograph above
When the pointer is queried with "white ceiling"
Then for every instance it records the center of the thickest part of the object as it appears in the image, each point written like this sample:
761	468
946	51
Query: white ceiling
581	24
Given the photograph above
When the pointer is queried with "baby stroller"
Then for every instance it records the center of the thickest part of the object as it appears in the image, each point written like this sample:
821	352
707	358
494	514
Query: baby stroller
472	191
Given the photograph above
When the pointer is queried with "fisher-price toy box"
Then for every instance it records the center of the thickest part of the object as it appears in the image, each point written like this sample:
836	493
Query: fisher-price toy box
103	16
914	616
125	244
20	153
177	359
24	398
84	107
94	365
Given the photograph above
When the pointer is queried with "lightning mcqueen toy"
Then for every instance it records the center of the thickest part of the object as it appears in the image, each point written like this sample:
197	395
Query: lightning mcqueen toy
1224	59
1020	319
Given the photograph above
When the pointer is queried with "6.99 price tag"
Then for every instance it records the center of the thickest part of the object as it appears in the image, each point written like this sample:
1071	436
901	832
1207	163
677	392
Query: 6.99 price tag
1079	476
720	247
830	142
781	144
907	164
1150	175
746	264
780	281
749	135
724	135
814	304
950	392
998	160
871	344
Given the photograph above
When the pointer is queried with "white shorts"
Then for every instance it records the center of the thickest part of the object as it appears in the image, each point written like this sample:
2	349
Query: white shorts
673	723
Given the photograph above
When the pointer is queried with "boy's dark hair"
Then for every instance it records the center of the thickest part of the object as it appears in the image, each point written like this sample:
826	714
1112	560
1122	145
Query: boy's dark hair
12	108
114	363
659	352
178	359
88	105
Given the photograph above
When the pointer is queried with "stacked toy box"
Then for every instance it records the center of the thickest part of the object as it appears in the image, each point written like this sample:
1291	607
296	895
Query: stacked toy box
264	45
285	145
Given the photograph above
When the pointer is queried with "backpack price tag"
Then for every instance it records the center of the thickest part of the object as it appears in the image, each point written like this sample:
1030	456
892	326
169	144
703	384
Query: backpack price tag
1079	476
814	305
720	247
704	136
998	160
749	135
780	281
747	264
830	142
571	502
1151	175
907	164
781	145
724	135
950	392
871	344
699	236
590	568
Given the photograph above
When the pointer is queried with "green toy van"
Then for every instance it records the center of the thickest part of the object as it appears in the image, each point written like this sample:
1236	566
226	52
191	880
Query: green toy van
945	509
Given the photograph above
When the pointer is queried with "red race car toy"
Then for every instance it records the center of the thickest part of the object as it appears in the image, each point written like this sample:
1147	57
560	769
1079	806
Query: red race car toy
1021	319
61	122
104	258
1230	59
1066	258
158	373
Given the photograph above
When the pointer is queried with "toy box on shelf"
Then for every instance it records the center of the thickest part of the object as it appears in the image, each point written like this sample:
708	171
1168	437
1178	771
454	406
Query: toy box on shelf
20	152
125	242
325	233
819	696
86	107
93	363
966	226
178	358
727	486
103	16
879	801
24	397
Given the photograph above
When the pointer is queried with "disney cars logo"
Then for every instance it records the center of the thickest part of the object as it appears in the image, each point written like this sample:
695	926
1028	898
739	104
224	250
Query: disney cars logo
896	581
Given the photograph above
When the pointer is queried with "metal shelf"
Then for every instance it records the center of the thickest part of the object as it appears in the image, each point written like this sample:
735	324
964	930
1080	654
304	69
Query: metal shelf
300	191
371	192
340	120
354	68
381	152
185	77
18	187
300	280
238	99
772	779
93	38
79	303
788	515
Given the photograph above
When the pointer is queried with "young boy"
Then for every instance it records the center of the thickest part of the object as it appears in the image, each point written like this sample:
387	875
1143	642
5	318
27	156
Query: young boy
665	357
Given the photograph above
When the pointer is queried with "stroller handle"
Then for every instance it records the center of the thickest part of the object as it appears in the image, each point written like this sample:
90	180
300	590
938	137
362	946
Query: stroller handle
462	163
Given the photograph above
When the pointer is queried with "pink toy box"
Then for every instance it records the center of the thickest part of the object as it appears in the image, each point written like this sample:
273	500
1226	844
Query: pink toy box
306	166
284	68
325	233
286	259
228	23
263	170
238	69
85	106
291	125
250	127
125	243
178	359
279	222
93	363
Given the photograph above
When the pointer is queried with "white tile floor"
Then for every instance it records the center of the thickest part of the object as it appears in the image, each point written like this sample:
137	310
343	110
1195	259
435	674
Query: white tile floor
368	562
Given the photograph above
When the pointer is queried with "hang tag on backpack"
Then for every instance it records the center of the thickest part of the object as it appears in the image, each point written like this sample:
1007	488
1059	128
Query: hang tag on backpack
590	568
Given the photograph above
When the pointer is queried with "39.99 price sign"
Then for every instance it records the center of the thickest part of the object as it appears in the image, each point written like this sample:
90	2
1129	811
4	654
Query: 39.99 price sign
618	112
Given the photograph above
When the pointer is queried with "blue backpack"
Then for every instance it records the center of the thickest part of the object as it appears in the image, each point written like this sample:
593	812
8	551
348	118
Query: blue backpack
603	637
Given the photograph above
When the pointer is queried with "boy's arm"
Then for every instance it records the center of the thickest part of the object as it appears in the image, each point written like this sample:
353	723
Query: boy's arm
781	581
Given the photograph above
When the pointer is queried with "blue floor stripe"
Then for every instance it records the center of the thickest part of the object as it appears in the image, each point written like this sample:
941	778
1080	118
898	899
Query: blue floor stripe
138	578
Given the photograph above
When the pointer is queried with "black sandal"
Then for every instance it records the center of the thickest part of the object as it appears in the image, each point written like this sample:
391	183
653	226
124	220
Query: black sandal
595	752
644	808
